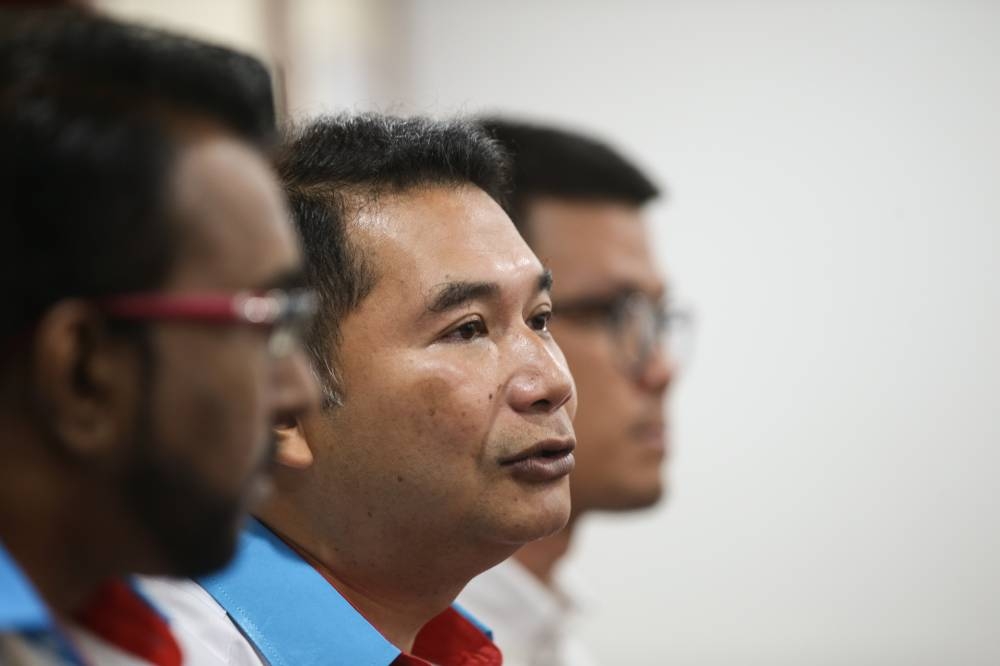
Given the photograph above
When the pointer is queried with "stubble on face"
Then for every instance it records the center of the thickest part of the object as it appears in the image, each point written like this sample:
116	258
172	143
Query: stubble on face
203	443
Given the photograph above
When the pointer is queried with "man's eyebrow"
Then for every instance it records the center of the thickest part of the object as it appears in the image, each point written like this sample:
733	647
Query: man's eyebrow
451	295
545	280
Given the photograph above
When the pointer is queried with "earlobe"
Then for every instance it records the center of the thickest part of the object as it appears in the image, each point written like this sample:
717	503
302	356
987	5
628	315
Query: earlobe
293	449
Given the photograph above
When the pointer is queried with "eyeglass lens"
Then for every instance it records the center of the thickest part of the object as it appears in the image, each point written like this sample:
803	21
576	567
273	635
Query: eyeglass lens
298	310
644	327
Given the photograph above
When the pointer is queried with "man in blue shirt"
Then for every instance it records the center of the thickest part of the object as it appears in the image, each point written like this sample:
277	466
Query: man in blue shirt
445	441
148	332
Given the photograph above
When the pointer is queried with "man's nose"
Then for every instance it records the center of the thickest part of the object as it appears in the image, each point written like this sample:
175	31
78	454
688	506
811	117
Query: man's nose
296	390
541	381
656	373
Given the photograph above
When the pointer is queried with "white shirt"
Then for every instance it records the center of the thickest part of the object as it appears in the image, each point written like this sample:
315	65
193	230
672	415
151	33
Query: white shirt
206	635
533	624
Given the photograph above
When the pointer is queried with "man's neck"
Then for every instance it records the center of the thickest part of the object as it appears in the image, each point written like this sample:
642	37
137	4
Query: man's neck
541	557
398	617
397	592
67	530
48	545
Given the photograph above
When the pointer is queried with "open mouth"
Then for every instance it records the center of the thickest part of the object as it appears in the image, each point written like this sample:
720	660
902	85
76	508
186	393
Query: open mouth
548	460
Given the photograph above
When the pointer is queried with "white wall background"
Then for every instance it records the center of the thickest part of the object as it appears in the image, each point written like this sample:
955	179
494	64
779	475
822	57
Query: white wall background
835	219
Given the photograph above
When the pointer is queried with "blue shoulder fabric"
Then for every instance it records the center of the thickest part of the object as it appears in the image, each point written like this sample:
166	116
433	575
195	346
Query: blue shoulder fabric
288	610
21	609
22	612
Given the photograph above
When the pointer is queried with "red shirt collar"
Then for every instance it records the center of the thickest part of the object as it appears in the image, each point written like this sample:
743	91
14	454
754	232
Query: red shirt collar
451	640
119	615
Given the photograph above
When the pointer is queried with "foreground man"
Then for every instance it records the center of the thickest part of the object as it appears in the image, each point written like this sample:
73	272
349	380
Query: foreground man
147	345
446	440
579	205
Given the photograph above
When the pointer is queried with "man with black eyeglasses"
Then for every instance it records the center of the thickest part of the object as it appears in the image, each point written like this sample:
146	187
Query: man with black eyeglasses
149	329
579	204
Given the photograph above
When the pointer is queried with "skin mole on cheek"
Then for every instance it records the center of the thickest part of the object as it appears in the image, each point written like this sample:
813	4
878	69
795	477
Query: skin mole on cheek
491	397
399	478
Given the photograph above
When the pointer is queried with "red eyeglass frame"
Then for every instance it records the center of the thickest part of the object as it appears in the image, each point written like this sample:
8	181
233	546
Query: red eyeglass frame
285	314
254	308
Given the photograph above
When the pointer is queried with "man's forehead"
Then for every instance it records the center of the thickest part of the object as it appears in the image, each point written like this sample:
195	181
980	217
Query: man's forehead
444	234
429	209
595	246
587	223
233	223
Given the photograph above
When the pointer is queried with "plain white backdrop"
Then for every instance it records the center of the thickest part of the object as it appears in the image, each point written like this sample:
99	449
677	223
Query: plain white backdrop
834	217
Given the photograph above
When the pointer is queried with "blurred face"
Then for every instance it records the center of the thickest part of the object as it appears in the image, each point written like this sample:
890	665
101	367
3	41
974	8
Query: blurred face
456	425
600	254
215	392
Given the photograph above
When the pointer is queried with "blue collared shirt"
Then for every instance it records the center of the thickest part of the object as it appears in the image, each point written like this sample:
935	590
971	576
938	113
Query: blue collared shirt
290	613
21	609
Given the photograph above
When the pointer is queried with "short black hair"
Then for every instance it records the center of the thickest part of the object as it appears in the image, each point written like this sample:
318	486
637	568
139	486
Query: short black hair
91	118
555	162
333	165
74	51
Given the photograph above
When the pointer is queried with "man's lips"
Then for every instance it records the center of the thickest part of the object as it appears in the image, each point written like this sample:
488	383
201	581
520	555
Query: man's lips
547	460
651	435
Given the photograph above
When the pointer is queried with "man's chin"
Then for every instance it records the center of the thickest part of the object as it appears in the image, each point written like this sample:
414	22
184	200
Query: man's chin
646	496
196	530
553	526
214	554
260	490
548	519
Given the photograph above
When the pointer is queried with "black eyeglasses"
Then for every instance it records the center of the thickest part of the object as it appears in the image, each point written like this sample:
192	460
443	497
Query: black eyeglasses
639	325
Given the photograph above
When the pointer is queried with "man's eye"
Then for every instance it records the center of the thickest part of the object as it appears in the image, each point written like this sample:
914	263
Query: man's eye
540	322
467	331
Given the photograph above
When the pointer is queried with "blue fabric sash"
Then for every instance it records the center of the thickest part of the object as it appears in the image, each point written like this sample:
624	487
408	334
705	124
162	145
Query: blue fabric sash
288	610
291	614
20	607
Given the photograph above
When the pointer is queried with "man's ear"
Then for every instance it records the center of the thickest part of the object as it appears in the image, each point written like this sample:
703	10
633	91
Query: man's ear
84	379
293	448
